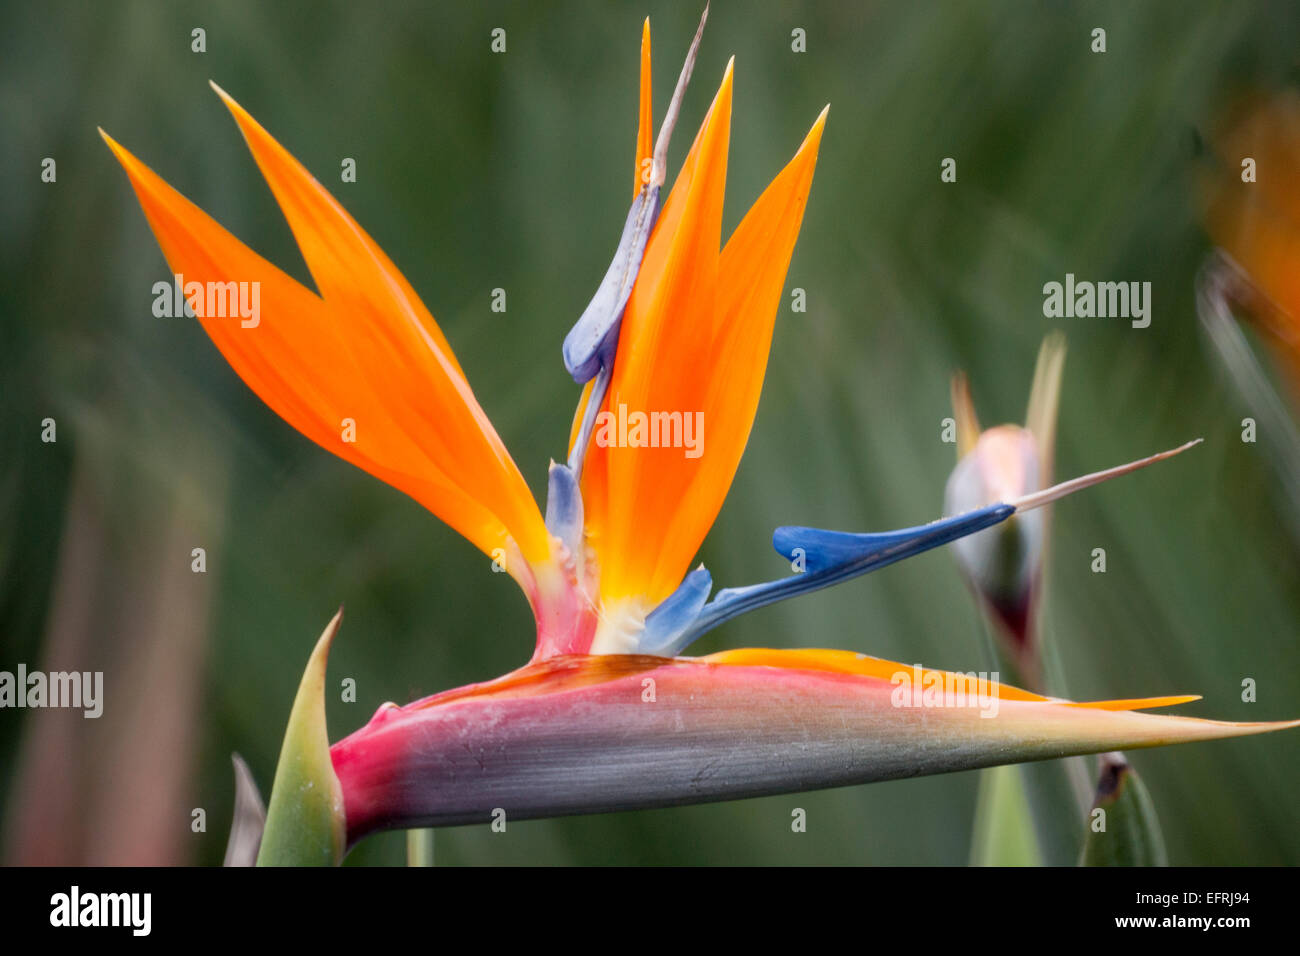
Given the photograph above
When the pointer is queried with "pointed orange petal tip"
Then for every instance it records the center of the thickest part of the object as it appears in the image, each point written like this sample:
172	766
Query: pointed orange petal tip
121	152
722	99
808	149
645	117
247	125
820	124
153	193
1137	703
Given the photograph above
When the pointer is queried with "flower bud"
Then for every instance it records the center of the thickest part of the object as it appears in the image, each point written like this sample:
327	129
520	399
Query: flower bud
1004	564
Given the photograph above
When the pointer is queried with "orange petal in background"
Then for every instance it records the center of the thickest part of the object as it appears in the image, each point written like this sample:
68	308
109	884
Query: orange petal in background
1258	223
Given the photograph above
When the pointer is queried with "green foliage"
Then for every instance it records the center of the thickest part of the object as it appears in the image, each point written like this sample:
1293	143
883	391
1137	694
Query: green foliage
1004	828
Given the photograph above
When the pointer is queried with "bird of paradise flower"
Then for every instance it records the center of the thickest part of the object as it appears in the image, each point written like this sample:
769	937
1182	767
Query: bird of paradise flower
609	714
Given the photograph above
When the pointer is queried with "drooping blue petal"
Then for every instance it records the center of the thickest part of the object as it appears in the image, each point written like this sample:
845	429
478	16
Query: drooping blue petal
666	624
828	557
591	343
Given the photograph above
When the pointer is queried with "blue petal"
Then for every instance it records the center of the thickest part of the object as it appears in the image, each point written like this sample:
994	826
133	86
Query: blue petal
828	557
666	624
592	341
564	508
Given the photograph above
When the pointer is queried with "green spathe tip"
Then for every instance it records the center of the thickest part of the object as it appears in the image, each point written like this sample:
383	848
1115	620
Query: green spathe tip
304	822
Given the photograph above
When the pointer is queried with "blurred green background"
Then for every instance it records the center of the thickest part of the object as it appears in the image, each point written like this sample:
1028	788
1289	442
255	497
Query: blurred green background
478	171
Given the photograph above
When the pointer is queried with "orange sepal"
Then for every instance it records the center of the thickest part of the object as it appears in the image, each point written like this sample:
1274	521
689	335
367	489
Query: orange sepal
361	369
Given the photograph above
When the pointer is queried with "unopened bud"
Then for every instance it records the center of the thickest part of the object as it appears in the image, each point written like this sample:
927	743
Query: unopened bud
1003	563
